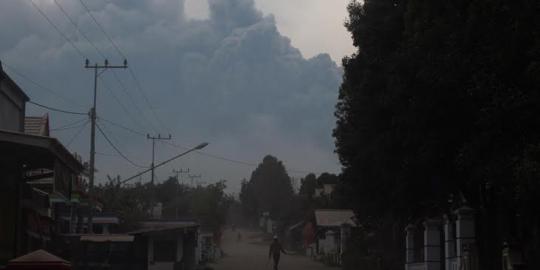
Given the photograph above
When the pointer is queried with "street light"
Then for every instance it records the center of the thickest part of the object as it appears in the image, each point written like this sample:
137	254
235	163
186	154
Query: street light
198	147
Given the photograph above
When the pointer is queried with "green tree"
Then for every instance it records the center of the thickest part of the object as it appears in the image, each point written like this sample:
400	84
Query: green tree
308	186
441	98
268	190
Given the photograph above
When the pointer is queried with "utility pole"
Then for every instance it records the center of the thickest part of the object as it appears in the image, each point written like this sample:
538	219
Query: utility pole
153	150
98	70
179	172
192	176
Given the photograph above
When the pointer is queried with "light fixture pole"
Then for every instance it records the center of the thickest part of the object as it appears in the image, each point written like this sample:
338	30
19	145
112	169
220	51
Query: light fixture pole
198	147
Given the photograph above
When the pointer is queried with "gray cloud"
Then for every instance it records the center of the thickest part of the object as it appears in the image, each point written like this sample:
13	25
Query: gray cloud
231	79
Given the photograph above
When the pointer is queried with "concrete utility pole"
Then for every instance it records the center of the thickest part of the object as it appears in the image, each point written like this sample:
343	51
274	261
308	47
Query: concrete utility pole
191	177
178	172
153	149
98	70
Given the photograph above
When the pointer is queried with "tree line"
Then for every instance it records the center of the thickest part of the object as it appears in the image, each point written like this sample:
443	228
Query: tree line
269	190
134	203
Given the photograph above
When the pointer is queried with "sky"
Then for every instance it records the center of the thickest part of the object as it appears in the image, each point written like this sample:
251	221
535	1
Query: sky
251	78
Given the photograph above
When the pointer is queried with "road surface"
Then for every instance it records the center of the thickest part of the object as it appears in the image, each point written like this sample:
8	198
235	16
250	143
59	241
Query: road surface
252	254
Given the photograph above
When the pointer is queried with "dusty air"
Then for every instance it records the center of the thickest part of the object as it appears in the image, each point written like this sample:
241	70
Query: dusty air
269	135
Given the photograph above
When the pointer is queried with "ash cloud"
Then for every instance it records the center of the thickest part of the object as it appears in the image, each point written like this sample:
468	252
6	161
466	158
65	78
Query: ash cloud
223	79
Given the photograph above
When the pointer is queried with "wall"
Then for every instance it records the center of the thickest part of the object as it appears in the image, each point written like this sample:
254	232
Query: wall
8	216
11	109
328	244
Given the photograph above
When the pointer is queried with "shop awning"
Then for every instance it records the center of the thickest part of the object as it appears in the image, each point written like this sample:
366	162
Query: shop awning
35	152
107	238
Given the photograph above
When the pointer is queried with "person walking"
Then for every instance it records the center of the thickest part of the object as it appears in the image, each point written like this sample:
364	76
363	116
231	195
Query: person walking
275	252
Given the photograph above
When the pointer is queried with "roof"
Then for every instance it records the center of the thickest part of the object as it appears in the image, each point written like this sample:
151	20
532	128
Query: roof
334	217
161	226
39	255
37	125
35	151
107	238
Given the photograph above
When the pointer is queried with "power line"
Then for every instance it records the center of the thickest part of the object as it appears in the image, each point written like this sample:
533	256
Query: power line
70	125
123	127
56	109
77	133
56	28
240	162
21	75
78	30
131	72
139	87
214	156
102	29
124	89
117	150
70	19
124	108
97	50
106	154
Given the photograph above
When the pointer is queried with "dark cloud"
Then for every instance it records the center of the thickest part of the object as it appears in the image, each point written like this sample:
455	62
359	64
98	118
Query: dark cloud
232	79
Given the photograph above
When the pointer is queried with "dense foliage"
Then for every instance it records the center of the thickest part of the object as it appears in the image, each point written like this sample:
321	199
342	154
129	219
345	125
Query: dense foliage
442	98
268	190
308	192
207	204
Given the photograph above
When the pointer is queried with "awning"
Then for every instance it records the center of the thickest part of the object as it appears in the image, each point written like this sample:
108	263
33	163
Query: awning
107	238
35	152
39	259
163	226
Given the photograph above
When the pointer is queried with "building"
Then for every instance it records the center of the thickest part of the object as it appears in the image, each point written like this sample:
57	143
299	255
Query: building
447	243
332	228
27	221
12	104
166	245
208	248
104	251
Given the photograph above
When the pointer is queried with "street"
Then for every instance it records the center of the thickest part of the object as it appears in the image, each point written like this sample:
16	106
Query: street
252	254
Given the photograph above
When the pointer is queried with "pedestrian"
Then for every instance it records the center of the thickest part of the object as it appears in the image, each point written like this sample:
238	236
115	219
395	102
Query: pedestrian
275	251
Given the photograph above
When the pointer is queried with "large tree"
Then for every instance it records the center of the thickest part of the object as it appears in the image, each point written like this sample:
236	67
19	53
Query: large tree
269	190
442	98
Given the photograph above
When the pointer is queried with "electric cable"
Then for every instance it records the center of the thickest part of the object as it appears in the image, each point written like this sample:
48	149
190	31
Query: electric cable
55	109
118	150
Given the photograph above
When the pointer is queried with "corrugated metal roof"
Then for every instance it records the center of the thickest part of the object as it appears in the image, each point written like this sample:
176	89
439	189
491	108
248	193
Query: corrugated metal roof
107	238
334	217
159	226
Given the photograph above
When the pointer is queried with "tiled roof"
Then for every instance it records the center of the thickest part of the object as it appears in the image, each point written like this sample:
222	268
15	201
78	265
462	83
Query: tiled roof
37	125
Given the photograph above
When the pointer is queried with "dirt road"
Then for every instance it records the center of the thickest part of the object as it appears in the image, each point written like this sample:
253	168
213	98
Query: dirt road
252	254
